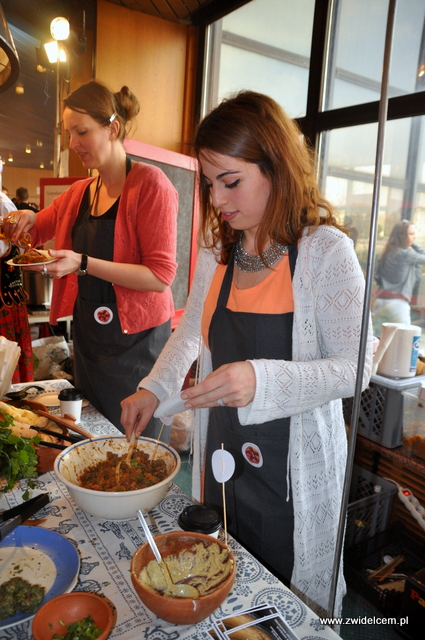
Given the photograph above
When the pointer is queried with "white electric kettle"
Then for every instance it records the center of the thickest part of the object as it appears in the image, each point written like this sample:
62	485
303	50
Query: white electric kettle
398	350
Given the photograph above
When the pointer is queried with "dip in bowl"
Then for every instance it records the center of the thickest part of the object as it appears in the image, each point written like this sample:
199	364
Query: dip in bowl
113	505
183	608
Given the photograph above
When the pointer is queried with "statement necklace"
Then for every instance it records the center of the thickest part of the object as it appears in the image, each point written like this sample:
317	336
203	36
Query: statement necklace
250	264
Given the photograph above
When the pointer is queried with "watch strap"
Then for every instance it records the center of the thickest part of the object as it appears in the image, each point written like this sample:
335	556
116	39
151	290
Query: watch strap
82	271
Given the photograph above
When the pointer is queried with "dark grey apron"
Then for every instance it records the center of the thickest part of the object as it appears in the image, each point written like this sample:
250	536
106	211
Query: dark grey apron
258	514
108	364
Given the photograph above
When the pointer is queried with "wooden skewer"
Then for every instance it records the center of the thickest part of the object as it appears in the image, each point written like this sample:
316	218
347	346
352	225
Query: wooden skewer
224	505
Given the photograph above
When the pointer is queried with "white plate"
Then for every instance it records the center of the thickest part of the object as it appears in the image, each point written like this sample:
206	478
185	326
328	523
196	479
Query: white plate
42	557
50	399
32	264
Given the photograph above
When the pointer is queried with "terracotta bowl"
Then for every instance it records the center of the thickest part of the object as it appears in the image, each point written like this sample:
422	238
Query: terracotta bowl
185	611
69	608
113	505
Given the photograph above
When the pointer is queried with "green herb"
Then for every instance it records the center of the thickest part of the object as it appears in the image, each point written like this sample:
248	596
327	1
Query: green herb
84	629
18	459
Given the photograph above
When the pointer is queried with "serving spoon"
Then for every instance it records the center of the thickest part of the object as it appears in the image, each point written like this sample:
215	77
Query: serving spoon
20	395
177	590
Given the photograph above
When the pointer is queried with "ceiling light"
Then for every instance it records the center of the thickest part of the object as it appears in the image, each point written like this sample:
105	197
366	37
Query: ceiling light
54	51
19	89
10	158
41	165
59	28
28	149
39	143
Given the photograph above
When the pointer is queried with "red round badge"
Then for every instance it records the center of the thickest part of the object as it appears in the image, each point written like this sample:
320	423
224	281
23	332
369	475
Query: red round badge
252	454
103	315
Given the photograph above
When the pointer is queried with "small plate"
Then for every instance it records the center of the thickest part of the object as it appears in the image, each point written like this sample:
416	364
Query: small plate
50	399
33	264
40	556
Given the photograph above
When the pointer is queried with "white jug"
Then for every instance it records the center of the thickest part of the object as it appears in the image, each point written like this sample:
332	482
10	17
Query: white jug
397	354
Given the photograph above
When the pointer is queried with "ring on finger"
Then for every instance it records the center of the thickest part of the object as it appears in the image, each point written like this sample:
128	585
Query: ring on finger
11	219
221	402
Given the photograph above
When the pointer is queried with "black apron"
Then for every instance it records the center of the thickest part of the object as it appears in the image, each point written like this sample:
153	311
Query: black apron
108	364
258	514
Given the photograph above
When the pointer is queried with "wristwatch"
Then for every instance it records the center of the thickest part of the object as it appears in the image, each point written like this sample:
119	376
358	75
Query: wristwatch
82	271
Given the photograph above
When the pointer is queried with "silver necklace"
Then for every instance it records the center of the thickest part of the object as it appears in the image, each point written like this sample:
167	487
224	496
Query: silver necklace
250	264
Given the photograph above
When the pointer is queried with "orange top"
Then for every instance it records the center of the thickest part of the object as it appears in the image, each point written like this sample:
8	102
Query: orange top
273	295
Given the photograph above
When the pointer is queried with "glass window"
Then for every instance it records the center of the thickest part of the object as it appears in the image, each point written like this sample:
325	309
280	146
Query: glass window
357	43
348	183
263	46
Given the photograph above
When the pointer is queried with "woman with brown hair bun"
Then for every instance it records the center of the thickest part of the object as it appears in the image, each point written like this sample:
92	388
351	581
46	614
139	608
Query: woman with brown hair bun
115	243
274	319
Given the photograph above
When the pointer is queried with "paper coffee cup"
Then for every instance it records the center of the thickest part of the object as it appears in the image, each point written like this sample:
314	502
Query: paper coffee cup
71	402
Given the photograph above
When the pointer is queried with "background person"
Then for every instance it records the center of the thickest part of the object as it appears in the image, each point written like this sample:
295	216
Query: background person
398	275
14	324
21	200
274	318
115	240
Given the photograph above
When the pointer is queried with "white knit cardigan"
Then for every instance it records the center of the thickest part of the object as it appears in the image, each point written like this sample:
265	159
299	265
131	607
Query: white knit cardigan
328	290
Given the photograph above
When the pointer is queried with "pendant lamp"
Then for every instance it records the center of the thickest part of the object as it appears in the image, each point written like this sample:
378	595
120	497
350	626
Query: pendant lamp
9	61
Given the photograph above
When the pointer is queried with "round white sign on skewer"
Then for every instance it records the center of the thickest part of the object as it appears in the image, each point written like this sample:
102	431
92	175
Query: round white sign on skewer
223	465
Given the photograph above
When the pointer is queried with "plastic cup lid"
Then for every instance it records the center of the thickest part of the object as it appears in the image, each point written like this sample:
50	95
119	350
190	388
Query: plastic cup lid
70	394
200	519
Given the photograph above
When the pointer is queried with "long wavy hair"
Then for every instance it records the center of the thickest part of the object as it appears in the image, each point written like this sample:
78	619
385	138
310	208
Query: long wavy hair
253	127
100	103
398	240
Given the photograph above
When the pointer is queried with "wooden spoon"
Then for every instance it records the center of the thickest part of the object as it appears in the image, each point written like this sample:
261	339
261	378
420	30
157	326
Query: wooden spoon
127	459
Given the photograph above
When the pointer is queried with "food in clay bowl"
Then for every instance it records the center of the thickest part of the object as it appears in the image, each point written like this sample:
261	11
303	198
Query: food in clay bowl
197	577
112	504
86	611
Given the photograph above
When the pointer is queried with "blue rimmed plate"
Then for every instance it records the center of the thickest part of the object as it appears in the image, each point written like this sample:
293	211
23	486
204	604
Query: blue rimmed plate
39	556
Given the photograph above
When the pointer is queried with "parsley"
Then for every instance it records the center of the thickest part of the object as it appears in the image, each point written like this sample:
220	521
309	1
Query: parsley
18	459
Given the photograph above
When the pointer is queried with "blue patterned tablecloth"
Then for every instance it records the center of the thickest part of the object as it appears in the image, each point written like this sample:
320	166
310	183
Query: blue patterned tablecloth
106	548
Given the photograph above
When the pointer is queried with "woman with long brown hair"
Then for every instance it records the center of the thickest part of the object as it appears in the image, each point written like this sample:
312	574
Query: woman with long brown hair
398	275
273	317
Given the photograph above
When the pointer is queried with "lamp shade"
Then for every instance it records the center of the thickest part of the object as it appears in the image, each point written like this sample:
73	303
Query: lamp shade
9	60
59	28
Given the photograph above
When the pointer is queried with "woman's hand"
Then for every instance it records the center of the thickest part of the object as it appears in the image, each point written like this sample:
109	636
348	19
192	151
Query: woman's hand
67	262
137	410
233	384
16	222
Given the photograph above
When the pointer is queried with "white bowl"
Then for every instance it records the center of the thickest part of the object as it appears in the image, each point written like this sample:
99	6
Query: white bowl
113	505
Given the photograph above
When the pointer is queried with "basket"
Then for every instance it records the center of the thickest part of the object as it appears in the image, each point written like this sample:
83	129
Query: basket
381	409
369	554
369	508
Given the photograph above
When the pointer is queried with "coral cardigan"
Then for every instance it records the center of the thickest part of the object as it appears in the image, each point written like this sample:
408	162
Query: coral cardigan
145	233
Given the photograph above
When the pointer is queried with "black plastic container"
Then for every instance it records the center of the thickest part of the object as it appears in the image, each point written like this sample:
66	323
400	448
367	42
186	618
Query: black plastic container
200	519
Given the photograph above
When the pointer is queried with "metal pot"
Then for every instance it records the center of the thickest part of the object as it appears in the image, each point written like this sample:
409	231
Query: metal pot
39	289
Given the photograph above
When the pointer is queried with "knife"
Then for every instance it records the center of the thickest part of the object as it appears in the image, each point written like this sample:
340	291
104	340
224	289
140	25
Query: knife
17	515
